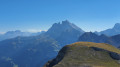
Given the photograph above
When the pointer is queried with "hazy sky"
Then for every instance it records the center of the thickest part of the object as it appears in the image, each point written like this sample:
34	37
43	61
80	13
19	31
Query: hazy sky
35	15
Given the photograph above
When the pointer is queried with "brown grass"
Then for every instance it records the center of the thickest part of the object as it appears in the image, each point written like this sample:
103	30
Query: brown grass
99	45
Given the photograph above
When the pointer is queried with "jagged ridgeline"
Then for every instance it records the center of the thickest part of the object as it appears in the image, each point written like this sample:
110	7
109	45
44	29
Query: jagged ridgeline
65	32
87	54
92	37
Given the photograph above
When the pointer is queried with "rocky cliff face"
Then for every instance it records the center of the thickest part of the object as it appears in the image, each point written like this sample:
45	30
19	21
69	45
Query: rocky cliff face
87	54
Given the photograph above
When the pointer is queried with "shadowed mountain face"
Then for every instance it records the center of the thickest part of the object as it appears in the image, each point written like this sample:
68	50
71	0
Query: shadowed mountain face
27	51
92	37
119	47
114	40
86	54
110	32
65	32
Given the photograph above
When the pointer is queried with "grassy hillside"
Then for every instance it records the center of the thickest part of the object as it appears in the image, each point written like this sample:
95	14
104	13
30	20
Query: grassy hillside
99	45
82	54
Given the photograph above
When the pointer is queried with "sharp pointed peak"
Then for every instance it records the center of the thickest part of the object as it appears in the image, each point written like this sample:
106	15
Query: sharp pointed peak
66	22
89	32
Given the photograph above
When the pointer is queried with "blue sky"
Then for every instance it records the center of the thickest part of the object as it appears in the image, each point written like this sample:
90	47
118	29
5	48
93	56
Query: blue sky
35	15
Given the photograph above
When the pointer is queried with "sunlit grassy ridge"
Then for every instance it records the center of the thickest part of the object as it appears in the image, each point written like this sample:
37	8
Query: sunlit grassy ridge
80	54
99	45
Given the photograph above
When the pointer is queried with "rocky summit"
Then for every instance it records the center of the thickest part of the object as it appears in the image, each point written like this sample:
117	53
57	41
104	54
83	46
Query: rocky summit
86	54
65	32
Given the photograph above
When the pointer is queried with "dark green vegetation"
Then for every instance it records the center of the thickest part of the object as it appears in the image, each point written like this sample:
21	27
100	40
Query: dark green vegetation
27	51
87	54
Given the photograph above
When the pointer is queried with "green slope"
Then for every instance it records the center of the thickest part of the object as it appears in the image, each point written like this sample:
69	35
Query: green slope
87	54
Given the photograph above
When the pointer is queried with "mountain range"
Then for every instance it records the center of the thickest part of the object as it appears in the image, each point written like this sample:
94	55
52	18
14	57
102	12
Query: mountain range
13	34
92	37
23	49
34	51
110	32
60	31
27	51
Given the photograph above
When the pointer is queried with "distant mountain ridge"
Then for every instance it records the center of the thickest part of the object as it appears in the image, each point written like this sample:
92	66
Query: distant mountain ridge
16	33
110	32
27	51
114	40
92	37
59	30
65	32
